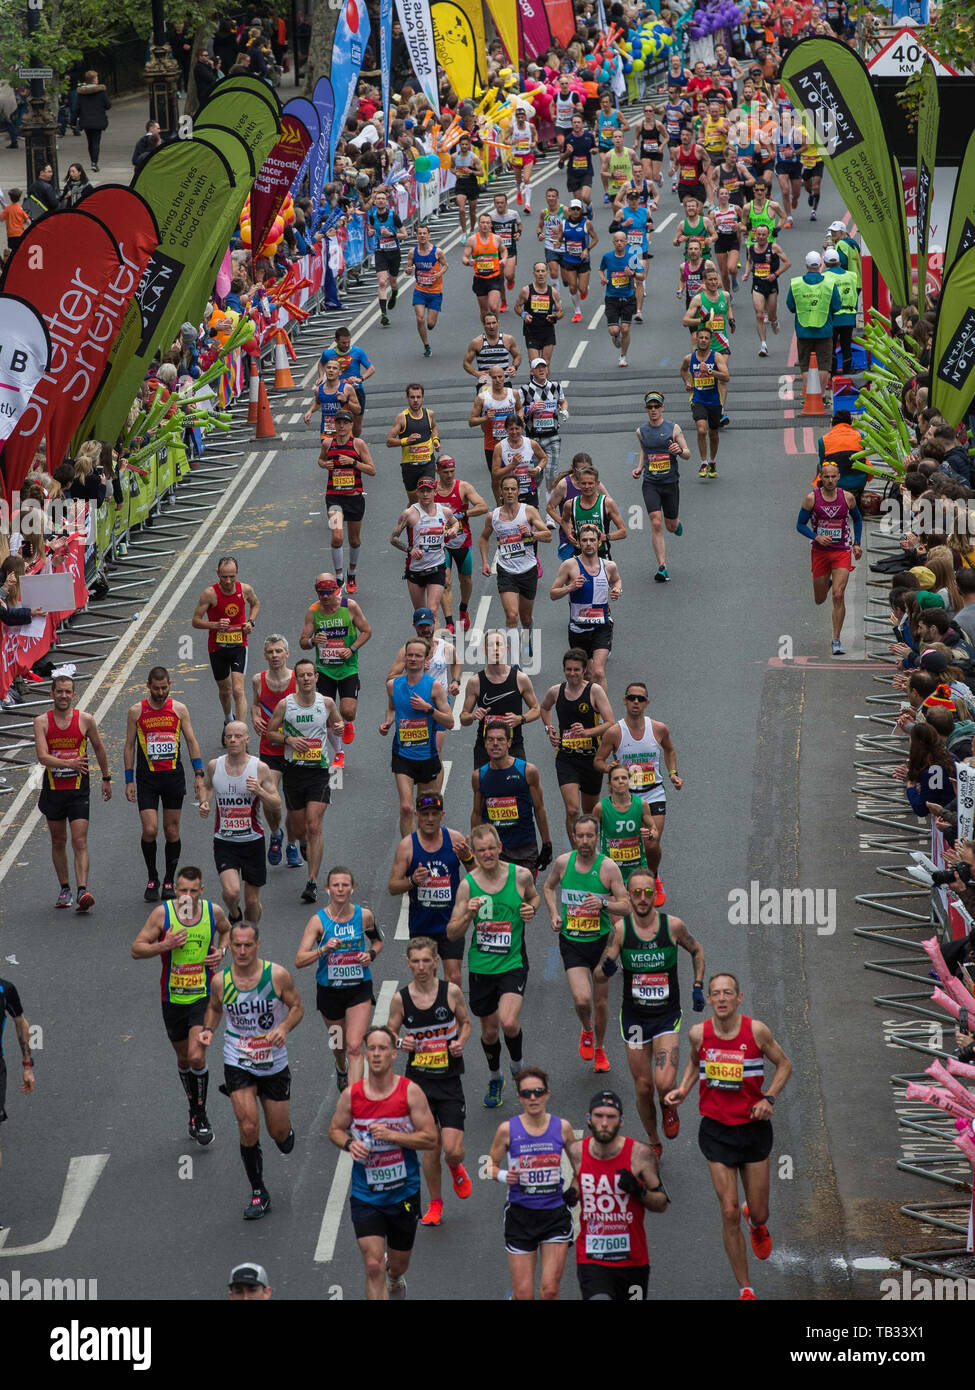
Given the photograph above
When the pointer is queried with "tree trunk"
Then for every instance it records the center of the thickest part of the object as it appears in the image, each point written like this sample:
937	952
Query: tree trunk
323	16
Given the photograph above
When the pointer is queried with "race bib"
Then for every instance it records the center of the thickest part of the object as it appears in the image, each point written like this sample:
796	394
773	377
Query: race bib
493	938
589	617
413	731
502	808
579	161
538	305
431	1054
235	822
344	968
625	850
650	989
385	1169
762	272
615	1246
512	547
161	749
642	775
834	534
256	1053
484	266
658	463
539	1172
432	540
341	481
233	638
425	278
725	1071
435	891
188	977
704	381
312	754
619	280
333	651
575	745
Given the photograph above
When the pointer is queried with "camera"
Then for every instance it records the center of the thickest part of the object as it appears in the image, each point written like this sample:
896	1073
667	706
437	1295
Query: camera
941	877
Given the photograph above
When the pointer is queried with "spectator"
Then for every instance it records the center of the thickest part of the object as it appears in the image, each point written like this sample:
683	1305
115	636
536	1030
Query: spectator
93	108
76	185
225	45
205	75
964	618
400	67
88	483
182	48
940	561
42	195
144	143
11	611
242	67
928	771
15	218
15	120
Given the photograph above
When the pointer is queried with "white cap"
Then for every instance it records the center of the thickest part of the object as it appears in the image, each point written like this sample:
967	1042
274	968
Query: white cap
837	227
577	203
540	362
832	256
813	260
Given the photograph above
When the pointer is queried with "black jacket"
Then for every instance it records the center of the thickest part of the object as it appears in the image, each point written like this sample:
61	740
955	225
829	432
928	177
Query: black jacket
43	198
958	463
93	106
206	79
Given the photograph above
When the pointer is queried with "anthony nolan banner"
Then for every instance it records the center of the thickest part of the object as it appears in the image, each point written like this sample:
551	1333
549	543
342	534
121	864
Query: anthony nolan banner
505	16
458	30
414	16
348	48
25	354
927	152
961	225
953	354
276	175
830	86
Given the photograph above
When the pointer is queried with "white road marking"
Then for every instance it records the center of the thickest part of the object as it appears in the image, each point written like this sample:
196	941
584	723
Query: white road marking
386	991
595	319
576	357
83	1174
661	226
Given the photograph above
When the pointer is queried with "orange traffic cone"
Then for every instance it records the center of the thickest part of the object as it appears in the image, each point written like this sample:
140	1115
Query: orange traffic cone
282	369
265	423
253	391
813	404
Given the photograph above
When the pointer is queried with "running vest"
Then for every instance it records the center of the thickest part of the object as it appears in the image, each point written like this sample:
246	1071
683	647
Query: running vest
696	229
659	464
765	265
726	221
158	732
433	901
606	123
494	412
390	1174
184	978
565	107
433	1029
500	697
340	968
754	218
231	607
340	632
491	355
516	553
506	803
504	225
269	700
578	711
575	240
537	1158
66	743
812	301
674	117
487	261
551	221
689	167
731	1072
577	885
384	228
716	315
589	606
455	502
541	406
237	816
521	138
539	304
619	170
704	379
427	271
331	403
636	233
611	1223
642	757
344	479
251	1015
421	451
592	516
309	722
648	142
650	983
428	535
693	277
619	834
831	520
498	933
524	461
733	181
715	136
415	732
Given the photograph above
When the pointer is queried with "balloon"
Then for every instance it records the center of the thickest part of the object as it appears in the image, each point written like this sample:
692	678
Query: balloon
421	164
445	160
627	69
638	65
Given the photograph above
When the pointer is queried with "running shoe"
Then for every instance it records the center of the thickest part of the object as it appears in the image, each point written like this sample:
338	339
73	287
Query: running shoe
351	587
384	320
151	895
661	576
774	325
449	626
748	1296
274	847
427	350
712	470
763	350
600	1061
519	199
605	198
761	1240
725	420
338	762
812	215
396	1288
432	1215
292	855
85	901
462	1183
393	296
204	1129
492	1098
587	1046
259	1203
659	896
465	620
504	305
680	529
623	362
583	294
168	892
64	898
702	472
638	317
311	891
734	282
341	1080
671	1122
787	223
576	317
348	733
837	648
510	283
191	1126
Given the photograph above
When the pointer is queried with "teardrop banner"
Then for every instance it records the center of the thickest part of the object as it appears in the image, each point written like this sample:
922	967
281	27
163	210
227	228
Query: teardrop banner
247	106
536	38
953	351
458	30
348	51
320	157
64	267
928	117
25	354
276	175
961	224
302	109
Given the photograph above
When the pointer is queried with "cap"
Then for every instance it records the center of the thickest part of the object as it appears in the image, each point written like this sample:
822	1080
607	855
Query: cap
933	661
343	415
577	203
837	226
925	577
832	256
605	1098
813	260
426	481
538	362
925	599
423	615
249	1273
653	398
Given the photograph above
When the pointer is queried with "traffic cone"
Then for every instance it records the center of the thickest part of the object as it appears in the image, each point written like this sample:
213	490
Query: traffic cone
253	391
813	404
265	423
282	370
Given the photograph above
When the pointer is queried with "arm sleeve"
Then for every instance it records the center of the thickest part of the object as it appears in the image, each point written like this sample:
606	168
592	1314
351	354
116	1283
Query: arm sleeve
857	520
802	524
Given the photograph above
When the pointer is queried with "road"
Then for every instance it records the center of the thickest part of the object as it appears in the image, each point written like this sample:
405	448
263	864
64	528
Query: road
763	747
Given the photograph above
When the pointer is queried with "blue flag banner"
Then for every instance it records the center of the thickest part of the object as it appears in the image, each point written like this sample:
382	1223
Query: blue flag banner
305	112
351	37
385	56
321	152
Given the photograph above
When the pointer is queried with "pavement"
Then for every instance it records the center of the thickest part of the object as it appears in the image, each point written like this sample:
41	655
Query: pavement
99	1177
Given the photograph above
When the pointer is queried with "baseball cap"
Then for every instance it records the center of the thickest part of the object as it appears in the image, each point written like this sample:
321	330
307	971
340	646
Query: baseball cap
925	577
538	362
426	481
813	259
605	1098
249	1273
422	615
653	398
343	415
837	226
831	257
576	203
933	661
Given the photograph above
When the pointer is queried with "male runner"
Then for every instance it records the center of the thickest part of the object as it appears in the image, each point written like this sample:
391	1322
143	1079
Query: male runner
633	219
544	404
618	165
332	395
335	632
428	265
501	692
549	219
728	1056
523	140
506	226
414	432
240	786
592	505
189	936
355	368
10	1004
518	528
388	230
825	517
508	795
61	738
465	502
432	1023
618	273
576	238
483	251
499	899
516	457
427	866
539	307
577	148
584	714
662	443
430	525
491	348
592	584
415	705
702	372
566	103
442	663
590	887
382	1121
220	612
262	1008
154	730
268	688
344	459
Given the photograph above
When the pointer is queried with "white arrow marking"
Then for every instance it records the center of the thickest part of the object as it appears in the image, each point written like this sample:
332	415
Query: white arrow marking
83	1173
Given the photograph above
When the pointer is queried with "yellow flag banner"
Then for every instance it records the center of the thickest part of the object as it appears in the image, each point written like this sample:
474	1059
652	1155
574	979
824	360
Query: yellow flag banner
461	44
505	16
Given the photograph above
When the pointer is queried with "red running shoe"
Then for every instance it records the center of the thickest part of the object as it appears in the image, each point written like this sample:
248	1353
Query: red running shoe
587	1045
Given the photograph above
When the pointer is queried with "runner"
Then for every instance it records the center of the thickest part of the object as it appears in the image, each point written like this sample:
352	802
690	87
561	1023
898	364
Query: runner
676	118
428	264
651	137
539	307
506	226
567	487
618	274
491	409
625	823
382	1121
644	746
537	1221
467	170
508	795
567	104
584	714
761	212
619	165
387	229
726	218
240	785
544	403
576	239
662	443
491	348
714	129
692	162
736	178
227	611
690	277
825	517
701	372
465	502
432	1023
342	941
502	693
415	704
813	168
430	525
262	1007
728	1057
332	395
577	148
483	251
609	121
711	308
189	938
549	220
592	584
414	432
61	739
788	162
695	226
154	731
518	528
634	220
593	504
427	866
335	632
645	944
442	663
519	458
618	1181
355	368
766	261
309	728
523	139
499	899
268	688
344	460
590	887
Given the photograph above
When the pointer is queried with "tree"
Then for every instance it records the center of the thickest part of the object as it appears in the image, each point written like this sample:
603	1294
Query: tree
323	16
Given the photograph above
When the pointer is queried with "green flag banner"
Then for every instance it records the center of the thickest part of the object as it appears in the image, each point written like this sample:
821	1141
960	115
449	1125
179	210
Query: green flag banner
249	108
928	116
829	84
961	224
953	356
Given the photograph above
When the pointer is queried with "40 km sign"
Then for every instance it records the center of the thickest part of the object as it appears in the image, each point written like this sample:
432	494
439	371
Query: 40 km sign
903	54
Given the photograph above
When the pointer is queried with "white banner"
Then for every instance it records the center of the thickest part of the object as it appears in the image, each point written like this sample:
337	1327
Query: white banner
414	16
966	800
25	354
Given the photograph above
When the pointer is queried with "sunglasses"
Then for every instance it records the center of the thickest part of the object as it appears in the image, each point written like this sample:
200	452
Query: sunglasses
641	892
429	803
637	699
533	1092
332	589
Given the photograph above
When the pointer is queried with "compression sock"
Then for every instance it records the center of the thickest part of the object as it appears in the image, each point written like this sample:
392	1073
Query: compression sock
253	1164
492	1052
337	559
202	1079
149	855
335	739
186	1081
173	850
514	1045
353	557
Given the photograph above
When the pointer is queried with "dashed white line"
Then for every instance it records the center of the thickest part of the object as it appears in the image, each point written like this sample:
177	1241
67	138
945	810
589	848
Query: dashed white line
576	357
661	226
595	319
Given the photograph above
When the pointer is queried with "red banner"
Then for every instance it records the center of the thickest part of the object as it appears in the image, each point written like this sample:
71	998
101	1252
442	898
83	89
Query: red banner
276	175
561	21
63	267
18	653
